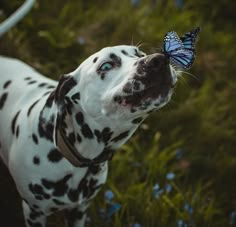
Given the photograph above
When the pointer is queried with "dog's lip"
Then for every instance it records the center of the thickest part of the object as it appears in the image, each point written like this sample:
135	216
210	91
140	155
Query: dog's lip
143	97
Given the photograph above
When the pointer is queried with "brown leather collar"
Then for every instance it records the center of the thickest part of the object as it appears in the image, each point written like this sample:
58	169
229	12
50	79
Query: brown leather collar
74	157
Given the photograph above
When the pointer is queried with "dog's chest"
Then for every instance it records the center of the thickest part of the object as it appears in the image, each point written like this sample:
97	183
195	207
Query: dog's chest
72	189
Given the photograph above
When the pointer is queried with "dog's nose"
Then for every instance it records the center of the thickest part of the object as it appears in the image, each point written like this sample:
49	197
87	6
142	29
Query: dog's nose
157	62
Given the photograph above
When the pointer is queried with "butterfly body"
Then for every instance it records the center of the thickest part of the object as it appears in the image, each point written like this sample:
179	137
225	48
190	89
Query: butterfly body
181	51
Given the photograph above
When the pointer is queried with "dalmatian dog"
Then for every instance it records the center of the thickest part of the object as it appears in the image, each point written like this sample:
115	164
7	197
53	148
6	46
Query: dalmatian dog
56	138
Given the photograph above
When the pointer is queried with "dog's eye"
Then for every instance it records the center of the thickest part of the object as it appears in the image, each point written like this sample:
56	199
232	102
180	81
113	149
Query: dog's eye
106	66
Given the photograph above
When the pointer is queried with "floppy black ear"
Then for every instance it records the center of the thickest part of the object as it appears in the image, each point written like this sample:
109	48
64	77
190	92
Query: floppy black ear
66	83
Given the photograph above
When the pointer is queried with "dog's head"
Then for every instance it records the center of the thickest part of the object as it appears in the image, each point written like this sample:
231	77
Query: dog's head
106	98
123	82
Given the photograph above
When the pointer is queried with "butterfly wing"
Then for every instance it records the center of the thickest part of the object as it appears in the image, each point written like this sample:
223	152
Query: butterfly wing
182	58
189	39
181	51
172	42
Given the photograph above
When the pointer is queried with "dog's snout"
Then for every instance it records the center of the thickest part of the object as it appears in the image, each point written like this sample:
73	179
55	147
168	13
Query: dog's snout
157	61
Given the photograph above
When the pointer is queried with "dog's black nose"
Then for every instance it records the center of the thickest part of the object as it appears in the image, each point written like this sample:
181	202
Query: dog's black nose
157	62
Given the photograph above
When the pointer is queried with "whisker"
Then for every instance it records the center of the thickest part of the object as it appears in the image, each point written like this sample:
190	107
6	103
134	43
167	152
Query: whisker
190	74
159	49
132	41
138	44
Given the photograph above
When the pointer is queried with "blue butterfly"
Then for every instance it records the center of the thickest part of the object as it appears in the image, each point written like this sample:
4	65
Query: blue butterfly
189	39
180	51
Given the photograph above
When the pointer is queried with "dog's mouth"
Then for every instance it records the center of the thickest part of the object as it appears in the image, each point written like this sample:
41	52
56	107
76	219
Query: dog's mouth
153	95
150	87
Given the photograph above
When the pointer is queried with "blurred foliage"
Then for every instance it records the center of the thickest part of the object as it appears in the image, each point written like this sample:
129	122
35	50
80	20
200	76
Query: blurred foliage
56	36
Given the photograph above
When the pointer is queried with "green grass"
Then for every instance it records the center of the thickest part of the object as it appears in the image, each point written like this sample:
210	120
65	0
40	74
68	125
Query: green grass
200	120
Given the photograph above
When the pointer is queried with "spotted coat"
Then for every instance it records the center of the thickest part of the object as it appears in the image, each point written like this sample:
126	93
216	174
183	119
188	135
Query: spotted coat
90	113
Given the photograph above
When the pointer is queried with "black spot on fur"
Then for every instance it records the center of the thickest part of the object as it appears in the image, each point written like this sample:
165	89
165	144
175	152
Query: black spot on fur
72	216
58	202
35	138
46	93
45	129
54	155
124	52
38	191
32	82
35	214
71	138
66	83
3	100
69	105
106	134
87	188
50	99
137	120
39	197
13	123
73	194
36	160
28	78
103	76
17	131
59	187
78	137
116	59
103	136
35	207
7	84
94	169
86	131
42	84
76	97
31	107
117	99
138	54
50	87
106	155
128	88
123	135
79	118
95	60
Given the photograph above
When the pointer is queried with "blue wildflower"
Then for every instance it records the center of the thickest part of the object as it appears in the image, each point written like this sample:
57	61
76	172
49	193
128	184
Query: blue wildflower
135	3
136	225
179	3
168	188
170	176
179	153
157	191
233	218
188	208
112	209
109	195
81	40
180	223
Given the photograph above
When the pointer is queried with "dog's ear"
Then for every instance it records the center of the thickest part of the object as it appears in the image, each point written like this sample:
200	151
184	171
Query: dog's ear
66	83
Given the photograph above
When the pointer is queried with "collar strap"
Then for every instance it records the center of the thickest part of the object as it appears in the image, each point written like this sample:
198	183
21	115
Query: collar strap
74	157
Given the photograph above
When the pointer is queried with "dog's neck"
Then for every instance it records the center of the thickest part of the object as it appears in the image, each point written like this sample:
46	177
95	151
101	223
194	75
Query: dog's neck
74	131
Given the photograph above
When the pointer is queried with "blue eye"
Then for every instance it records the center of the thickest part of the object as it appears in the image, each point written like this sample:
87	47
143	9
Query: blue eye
106	66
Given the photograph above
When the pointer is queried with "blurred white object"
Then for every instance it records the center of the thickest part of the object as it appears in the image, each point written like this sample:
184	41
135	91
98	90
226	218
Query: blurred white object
16	16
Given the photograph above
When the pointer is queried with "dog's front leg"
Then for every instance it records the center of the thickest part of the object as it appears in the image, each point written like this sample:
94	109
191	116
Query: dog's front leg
76	217
33	216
